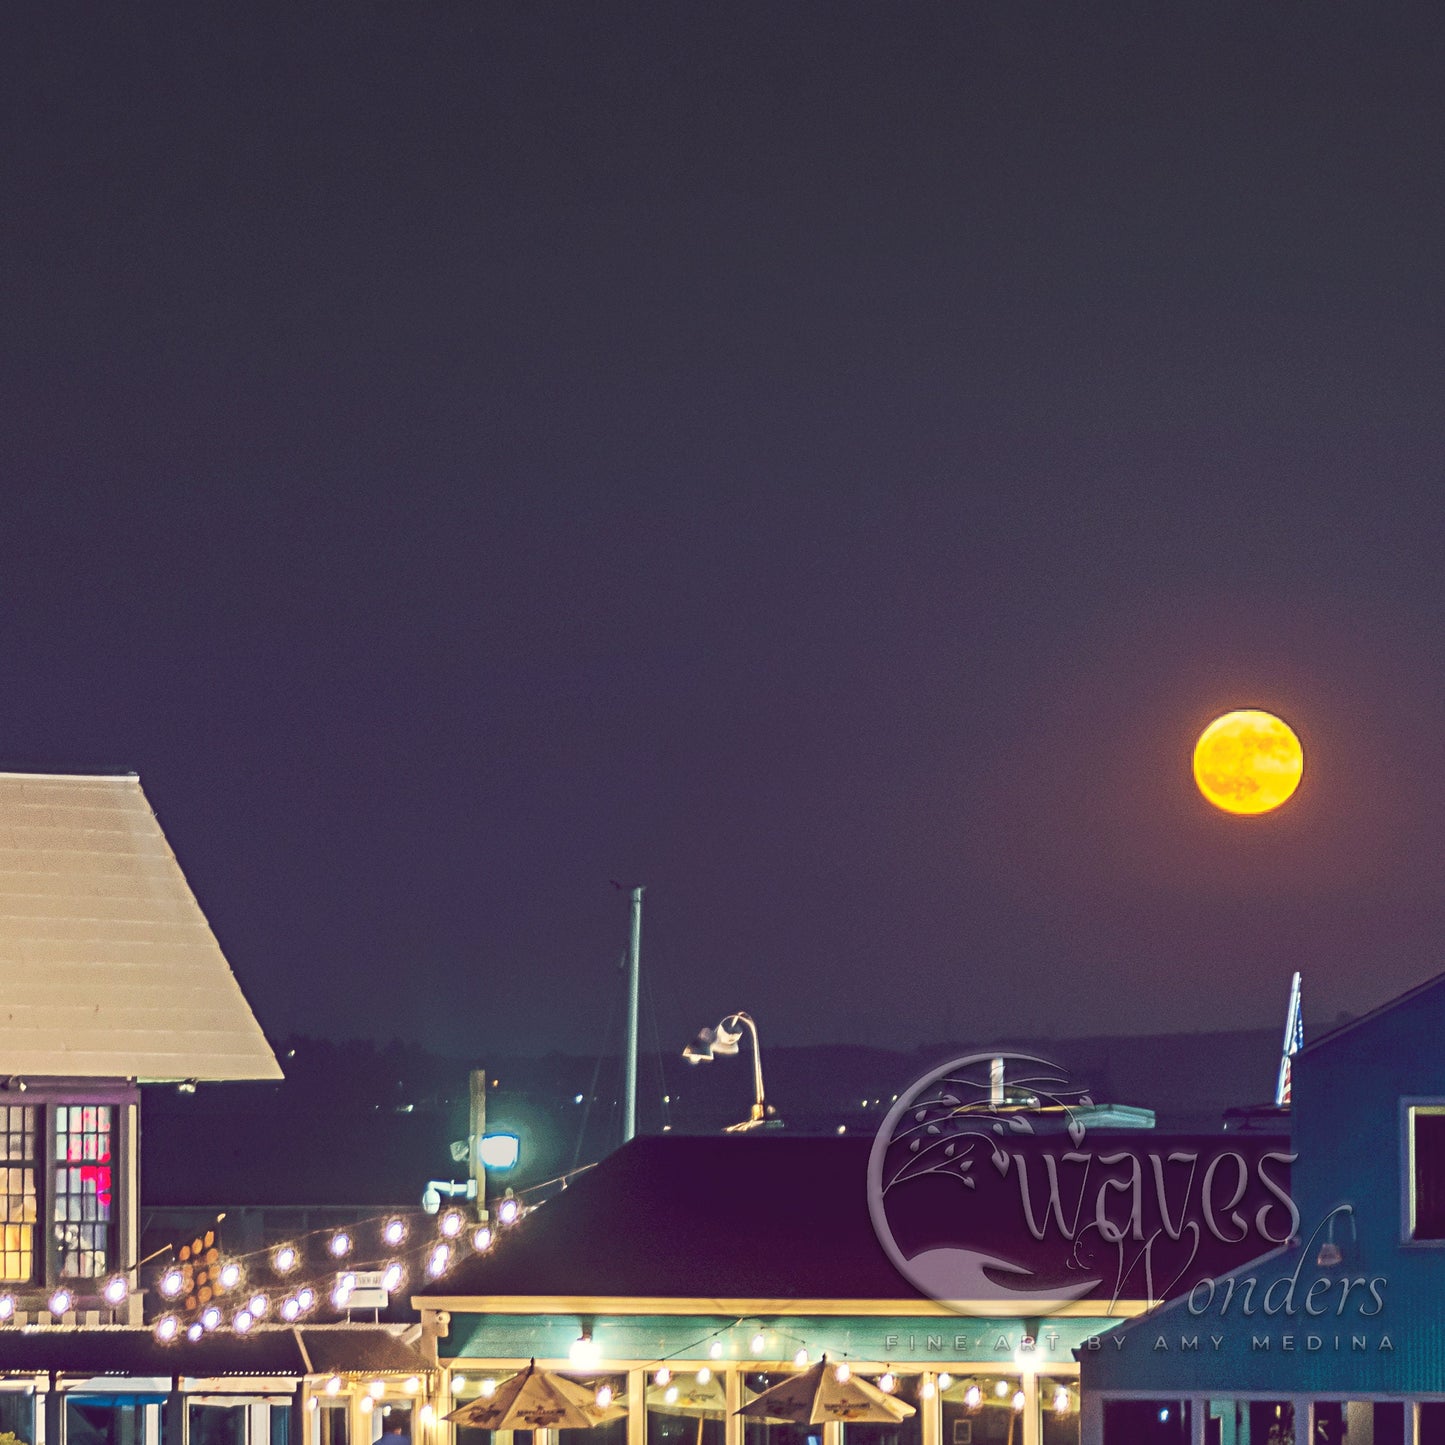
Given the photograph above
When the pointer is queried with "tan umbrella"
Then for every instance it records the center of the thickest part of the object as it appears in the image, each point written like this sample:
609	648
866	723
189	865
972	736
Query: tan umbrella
537	1400
818	1395
689	1397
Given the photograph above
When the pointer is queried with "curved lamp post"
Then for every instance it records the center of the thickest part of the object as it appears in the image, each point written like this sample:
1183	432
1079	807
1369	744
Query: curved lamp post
723	1042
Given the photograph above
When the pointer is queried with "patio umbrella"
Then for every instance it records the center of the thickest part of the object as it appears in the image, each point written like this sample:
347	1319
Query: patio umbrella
689	1397
818	1395
536	1400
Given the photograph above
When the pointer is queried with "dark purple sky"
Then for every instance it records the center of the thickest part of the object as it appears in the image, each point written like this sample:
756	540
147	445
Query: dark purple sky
825	461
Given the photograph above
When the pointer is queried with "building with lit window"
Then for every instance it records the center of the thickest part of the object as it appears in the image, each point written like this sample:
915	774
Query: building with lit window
1336	1335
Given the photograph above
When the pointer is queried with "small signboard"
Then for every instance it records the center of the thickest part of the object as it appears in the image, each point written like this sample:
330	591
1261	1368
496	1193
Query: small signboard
370	1293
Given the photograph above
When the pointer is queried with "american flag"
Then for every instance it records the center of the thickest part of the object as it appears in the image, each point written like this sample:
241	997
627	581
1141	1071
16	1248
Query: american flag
1294	1038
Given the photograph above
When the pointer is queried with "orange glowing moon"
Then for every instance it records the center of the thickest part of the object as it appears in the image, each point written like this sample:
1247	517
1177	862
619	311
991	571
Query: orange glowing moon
1248	762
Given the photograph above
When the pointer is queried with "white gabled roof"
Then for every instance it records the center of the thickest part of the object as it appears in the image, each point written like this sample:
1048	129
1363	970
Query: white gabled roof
108	967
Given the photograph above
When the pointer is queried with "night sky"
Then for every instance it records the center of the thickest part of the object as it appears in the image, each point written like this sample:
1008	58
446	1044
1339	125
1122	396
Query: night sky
824	461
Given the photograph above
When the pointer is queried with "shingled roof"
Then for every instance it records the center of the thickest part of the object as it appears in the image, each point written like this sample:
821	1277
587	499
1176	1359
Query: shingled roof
108	968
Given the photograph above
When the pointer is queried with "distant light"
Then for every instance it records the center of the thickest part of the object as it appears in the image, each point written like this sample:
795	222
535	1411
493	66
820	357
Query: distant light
842	1128
333	1385
259	1305
441	1258
394	1231
583	1351
1001	1388
391	1279
60	1302
973	1397
284	1259
487	1389
758	1343
801	1358
194	1332
411	1385
243	1321
945	1380
670	1394
1061	1401
166	1328
376	1389
116	1289
888	1382
1164	1415
427	1413
704	1375
508	1210
715	1350
7	1306
450	1224
927	1389
841	1373
210	1318
340	1244
340	1297
481	1239
1018	1401
347	1281
578	1099
662	1376
500	1151
604	1396
306	1298
459	1383
366	1404
290	1308
172	1283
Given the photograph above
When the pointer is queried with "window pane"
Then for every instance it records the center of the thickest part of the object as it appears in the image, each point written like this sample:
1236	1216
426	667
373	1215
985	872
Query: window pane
17	1415
81	1209
983	1410
897	1432
765	1432
19	1194
684	1412
1059	1410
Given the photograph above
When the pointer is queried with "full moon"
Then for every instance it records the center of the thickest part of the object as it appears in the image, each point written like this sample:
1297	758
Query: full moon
1248	762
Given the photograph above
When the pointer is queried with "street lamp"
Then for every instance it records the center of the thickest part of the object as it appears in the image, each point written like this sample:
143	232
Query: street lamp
723	1042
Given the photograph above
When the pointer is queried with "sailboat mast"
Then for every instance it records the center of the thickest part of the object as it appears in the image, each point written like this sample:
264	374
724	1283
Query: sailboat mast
634	977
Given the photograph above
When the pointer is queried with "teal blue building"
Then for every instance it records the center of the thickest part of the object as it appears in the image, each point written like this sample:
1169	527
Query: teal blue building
1339	1333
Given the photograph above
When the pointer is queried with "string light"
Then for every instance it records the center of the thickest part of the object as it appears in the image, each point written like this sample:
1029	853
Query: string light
801	1358
230	1275
60	1302
427	1413
306	1298
284	1260
259	1305
340	1244
166	1328
1001	1389
604	1396
487	1389
888	1382
451	1224
366	1404
715	1350
116	1289
194	1332
441	1257
1018	1400
243	1321
508	1211
662	1376
333	1385
704	1375
172	1283
973	1397
391	1280
375	1390
927	1389
411	1385
841	1373
394	1231
481	1239
7	1307
758	1343
945	1380
584	1351
1061	1401
459	1383
290	1308
670	1395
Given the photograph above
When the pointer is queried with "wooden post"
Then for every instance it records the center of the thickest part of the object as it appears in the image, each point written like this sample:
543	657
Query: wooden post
476	1127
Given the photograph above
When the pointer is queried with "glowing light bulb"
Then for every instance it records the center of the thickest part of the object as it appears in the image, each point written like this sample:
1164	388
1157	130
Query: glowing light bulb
340	1297
376	1389
451	1224
394	1231
482	1239
1018	1400
758	1342
290	1308
662	1376
583	1351
166	1328
1061	1401
340	1244
230	1276
704	1375
366	1404
210	1318
459	1383
888	1382
306	1298
508	1210
1001	1388
411	1385
841	1373
194	1332
973	1397
284	1260
7	1307
604	1396
347	1281
172	1283
487	1389
259	1305
945	1380
715	1350
801	1358
60	1302
391	1279
333	1385
116	1289
927	1389
243	1321
441	1257
427	1414
670	1394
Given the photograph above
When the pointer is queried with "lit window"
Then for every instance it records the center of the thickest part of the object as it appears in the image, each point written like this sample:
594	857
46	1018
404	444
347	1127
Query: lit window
19	1198
81	1209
